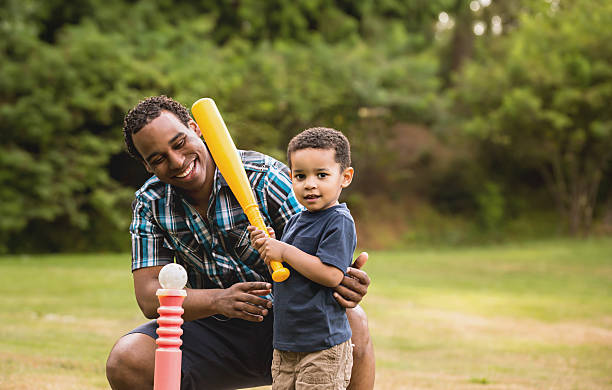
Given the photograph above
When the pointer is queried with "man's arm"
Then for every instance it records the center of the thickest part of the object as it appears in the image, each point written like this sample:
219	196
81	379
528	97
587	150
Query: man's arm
242	300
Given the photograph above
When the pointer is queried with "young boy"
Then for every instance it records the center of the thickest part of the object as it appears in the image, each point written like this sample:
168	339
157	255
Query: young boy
312	336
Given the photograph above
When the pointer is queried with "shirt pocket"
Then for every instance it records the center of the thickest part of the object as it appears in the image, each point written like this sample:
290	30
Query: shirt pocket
243	242
237	241
186	241
306	244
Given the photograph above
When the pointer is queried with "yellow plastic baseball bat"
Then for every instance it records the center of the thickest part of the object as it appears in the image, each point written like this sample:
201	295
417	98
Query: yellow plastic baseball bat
228	161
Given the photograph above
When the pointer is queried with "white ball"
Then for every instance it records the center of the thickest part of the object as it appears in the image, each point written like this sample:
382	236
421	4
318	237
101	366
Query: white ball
173	276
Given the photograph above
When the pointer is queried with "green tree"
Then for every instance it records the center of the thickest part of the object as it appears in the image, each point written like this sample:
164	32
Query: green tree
61	111
544	94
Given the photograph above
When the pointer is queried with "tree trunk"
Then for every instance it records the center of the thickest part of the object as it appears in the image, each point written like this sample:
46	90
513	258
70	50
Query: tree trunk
461	44
575	196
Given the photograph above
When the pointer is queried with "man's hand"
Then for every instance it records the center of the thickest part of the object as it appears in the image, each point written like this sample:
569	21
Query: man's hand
353	287
242	300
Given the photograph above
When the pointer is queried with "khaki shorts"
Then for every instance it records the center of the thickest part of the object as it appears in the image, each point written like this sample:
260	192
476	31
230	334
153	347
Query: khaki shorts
327	369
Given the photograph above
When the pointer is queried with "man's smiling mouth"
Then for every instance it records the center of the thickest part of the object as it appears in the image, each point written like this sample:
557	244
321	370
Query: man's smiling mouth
186	171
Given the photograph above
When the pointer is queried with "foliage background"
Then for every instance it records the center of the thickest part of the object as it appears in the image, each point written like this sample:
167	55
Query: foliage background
457	138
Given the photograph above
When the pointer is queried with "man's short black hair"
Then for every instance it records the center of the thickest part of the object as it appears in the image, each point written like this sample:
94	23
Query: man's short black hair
322	138
146	111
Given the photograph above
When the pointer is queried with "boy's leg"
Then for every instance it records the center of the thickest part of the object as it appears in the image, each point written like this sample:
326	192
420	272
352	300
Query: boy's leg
283	369
216	354
329	369
364	368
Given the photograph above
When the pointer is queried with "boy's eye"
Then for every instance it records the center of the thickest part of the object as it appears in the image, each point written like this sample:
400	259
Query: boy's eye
300	176
322	175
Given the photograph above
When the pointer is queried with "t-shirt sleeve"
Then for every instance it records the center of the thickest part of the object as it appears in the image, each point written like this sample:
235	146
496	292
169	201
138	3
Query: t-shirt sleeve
147	239
282	204
338	243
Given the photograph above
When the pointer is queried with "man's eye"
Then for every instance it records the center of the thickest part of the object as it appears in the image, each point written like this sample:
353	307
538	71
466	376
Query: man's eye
180	143
157	161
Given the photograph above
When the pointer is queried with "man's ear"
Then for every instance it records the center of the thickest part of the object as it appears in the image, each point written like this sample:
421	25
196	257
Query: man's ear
147	166
194	126
347	176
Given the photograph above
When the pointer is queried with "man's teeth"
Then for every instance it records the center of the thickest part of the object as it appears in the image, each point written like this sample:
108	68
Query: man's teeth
187	171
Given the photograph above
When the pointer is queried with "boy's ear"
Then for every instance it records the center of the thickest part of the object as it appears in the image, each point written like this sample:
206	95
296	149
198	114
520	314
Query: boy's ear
347	176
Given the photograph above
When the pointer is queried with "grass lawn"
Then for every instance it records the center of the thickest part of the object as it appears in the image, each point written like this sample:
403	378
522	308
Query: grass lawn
523	316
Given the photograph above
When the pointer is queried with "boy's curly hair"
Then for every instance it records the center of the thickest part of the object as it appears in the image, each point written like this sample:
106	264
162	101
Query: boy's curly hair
322	138
144	112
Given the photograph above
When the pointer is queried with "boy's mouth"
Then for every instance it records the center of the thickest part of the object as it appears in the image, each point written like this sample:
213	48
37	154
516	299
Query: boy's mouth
312	196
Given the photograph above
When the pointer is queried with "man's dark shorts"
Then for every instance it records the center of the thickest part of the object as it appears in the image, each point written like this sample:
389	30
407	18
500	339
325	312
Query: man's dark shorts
223	353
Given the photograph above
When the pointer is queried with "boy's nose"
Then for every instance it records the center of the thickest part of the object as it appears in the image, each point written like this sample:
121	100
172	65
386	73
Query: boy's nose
310	183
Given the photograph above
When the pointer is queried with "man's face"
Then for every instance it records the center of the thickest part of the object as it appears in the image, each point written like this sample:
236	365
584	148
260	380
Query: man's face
174	152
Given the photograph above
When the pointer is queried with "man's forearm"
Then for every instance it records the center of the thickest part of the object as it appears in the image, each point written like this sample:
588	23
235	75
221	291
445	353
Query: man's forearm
197	304
200	303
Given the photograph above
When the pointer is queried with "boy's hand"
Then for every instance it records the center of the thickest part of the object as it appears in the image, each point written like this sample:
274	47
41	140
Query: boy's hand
272	250
257	237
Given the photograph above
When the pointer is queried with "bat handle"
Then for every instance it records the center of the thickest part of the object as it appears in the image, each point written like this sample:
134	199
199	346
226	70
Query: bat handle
279	273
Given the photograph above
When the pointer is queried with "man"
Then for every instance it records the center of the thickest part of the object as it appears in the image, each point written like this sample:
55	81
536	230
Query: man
186	212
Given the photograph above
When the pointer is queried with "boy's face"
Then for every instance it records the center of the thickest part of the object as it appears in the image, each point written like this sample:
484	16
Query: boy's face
173	152
317	179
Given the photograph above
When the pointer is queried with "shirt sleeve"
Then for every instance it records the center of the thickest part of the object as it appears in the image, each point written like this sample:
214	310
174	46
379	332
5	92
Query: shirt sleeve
338	243
147	239
282	204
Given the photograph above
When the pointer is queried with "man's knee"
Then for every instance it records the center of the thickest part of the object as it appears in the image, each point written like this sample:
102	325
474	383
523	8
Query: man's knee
361	332
131	362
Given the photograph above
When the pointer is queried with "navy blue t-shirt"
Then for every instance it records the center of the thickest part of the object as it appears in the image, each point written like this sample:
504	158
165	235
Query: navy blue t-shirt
307	317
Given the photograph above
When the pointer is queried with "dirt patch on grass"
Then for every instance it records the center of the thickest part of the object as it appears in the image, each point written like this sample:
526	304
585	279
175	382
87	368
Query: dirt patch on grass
567	333
474	326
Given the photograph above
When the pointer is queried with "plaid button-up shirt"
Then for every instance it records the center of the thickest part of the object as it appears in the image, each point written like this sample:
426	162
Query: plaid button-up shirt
216	251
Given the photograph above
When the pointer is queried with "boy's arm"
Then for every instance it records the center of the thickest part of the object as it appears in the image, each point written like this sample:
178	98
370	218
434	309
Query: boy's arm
309	266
